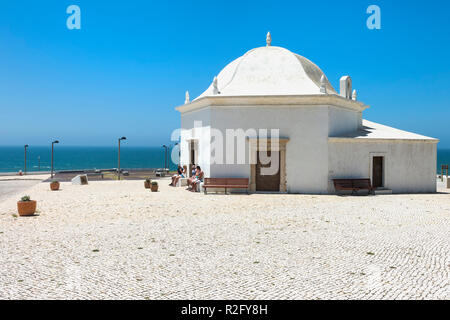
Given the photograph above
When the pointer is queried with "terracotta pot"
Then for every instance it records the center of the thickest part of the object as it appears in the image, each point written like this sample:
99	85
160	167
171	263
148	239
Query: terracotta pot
147	184
54	185
26	208
154	187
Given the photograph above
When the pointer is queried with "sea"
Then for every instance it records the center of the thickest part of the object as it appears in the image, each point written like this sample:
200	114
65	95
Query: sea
82	158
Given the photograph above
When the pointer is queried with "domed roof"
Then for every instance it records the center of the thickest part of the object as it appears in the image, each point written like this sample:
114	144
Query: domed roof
269	71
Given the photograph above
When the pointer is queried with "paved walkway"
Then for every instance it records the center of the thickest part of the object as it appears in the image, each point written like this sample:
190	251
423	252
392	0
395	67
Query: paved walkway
13	185
117	240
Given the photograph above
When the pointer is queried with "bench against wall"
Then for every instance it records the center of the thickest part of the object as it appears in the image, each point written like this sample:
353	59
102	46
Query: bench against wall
226	183
353	185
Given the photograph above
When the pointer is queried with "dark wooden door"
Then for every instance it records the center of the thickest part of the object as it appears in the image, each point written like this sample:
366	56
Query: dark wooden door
192	157
266	182
377	174
192	152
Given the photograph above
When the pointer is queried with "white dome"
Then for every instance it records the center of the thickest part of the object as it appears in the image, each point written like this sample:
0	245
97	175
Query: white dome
269	71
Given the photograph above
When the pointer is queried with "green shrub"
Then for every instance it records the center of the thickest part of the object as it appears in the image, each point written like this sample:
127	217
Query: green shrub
25	198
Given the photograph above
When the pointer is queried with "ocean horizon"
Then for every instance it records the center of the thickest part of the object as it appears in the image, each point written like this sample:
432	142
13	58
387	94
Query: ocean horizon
81	158
103	157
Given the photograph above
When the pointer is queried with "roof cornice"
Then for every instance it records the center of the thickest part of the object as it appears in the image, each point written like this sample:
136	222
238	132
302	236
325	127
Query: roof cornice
286	100
380	140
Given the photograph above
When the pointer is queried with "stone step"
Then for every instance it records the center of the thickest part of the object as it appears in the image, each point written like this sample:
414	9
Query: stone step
383	191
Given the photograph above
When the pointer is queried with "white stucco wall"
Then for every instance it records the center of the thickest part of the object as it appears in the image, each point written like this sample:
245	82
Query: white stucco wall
201	133
342	121
307	150
312	160
410	167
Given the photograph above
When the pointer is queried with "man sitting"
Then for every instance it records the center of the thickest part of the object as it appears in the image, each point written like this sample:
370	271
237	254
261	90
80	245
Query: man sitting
178	176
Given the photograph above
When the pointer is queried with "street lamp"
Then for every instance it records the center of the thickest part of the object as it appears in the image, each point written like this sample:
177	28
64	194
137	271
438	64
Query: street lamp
25	162
118	174
165	155
56	141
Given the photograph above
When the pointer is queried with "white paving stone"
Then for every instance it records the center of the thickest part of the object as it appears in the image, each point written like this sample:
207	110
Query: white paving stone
117	240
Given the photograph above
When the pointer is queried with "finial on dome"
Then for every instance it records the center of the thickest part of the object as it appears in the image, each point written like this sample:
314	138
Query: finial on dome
215	86
354	95
323	85
187	100
268	39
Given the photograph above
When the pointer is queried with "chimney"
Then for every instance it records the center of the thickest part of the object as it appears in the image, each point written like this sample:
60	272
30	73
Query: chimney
346	87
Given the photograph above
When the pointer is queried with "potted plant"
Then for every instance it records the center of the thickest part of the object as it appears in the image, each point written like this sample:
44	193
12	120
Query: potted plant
154	186
26	206
54	185
147	183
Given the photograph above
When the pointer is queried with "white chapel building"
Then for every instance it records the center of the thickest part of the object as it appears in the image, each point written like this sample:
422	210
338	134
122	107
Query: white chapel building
322	133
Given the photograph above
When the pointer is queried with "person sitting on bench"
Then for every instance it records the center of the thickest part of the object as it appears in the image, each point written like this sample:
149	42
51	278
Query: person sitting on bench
193	174
178	176
198	178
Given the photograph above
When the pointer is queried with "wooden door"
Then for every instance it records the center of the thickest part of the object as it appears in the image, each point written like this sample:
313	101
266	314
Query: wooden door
192	152
377	172
266	182
191	157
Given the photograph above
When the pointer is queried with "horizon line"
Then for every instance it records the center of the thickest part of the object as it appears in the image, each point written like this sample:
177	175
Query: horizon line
84	146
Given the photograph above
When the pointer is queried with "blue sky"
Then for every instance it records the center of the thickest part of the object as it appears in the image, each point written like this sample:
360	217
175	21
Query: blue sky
132	61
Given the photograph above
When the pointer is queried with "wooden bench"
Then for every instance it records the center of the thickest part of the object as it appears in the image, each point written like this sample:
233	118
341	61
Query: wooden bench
353	185
227	183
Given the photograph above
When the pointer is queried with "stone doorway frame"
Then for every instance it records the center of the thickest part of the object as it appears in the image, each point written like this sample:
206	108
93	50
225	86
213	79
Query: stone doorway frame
254	144
193	145
384	155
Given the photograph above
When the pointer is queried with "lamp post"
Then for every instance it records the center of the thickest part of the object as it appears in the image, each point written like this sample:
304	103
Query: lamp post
118	165
53	143
179	152
25	162
165	156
